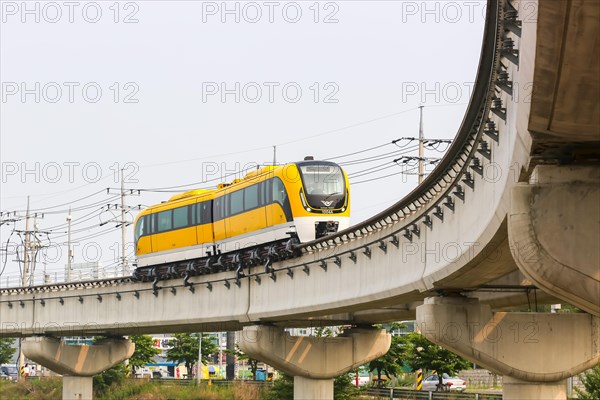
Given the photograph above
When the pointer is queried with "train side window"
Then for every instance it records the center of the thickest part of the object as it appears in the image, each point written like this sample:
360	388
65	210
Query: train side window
204	212
260	196
192	214
151	223
280	196
251	197
227	206
140	228
180	217
207	212
219	208
268	191
164	221
216	211
279	193
236	202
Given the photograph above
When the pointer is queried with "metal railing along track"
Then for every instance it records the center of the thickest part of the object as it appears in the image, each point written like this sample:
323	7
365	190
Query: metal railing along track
407	394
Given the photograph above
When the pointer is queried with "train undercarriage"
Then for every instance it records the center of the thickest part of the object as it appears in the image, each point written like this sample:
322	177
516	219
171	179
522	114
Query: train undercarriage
238	261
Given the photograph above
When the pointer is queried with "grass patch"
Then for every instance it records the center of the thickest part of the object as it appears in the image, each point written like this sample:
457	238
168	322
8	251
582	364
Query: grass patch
32	389
149	390
139	389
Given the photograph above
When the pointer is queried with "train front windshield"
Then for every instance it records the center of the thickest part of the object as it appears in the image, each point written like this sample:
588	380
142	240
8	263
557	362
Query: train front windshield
324	185
322	179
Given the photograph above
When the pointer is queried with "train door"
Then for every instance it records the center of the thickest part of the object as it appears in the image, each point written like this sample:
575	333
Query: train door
234	223
266	192
278	210
204	227
254	213
219	213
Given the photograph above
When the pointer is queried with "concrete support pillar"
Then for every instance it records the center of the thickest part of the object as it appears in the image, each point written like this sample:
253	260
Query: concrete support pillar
77	364
314	361
535	352
310	389
78	387
517	389
554	231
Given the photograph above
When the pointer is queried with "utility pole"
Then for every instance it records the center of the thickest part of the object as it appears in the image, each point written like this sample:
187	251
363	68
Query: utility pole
27	246
230	360
421	146
220	355
199	371
69	250
24	284
123	229
122	222
7	218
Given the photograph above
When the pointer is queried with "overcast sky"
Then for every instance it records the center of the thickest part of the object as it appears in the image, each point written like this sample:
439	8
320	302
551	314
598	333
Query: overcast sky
179	92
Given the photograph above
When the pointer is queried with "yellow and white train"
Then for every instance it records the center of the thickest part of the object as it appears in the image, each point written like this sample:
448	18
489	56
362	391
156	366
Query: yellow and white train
254	220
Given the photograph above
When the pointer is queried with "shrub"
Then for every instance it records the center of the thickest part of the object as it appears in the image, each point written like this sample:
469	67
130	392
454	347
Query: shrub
591	382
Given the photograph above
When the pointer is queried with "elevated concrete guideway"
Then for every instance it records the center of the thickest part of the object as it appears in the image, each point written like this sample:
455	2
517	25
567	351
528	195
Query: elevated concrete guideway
450	235
501	212
397	258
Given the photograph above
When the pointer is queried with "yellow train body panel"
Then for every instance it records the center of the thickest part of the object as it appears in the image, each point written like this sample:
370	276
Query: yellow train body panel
246	222
143	245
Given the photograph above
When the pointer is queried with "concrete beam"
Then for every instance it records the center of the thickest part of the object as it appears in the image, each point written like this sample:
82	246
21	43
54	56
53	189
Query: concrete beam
524	346
564	105
314	357
314	361
554	231
77	360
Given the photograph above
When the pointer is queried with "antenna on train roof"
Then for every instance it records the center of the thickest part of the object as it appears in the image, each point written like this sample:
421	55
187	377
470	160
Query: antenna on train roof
274	155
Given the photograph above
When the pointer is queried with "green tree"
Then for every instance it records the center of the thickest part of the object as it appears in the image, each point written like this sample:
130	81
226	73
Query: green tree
112	376
327	331
184	349
344	389
390	363
421	353
591	383
7	350
241	356
282	389
144	352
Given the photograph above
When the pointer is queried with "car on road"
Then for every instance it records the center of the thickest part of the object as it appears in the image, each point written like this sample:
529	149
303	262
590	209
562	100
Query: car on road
9	372
449	383
161	375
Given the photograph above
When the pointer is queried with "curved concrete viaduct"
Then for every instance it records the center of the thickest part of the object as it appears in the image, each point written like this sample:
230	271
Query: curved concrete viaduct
446	236
514	206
